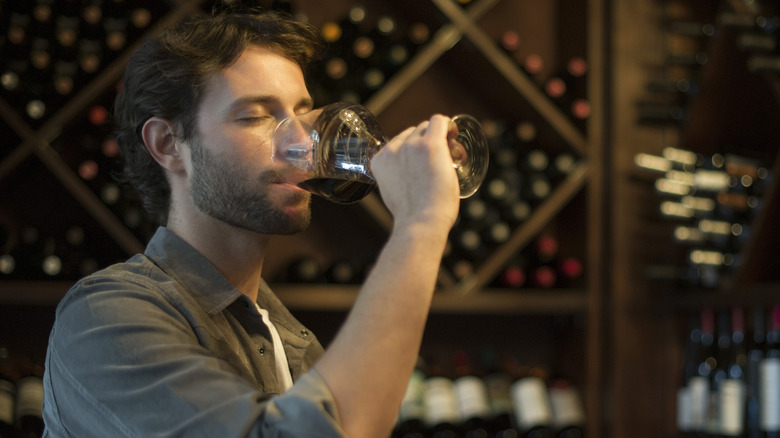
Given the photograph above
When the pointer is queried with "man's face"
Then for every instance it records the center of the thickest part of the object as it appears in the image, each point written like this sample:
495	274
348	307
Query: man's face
232	178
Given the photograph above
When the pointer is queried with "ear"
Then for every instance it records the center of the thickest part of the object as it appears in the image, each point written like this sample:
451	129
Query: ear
160	140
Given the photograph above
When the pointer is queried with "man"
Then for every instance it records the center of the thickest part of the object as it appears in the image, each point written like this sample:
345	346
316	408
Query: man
187	339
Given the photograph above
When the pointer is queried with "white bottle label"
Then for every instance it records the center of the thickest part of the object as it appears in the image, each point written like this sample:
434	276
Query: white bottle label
566	407
6	402
700	401
732	407
29	396
684	410
769	375
472	397
440	403
532	403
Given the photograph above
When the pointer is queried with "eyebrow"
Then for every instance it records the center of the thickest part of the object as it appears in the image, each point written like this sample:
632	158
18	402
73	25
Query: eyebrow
266	100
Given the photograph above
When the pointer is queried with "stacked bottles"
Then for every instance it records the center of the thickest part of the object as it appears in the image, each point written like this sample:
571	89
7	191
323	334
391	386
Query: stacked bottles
21	396
758	37
362	53
65	253
467	403
711	202
675	82
731	374
52	49
521	176
88	146
566	86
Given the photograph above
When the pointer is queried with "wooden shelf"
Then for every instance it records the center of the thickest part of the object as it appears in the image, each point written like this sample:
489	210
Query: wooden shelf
521	301
341	297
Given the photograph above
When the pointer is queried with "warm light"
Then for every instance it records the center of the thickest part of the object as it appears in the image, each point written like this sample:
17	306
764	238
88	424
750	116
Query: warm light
652	162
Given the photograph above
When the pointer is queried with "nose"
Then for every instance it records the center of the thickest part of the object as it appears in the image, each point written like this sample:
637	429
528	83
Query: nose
294	144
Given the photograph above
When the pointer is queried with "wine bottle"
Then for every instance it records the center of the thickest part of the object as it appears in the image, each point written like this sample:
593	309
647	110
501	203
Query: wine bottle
732	388
685	402
441	406
304	270
755	354
513	275
769	372
29	402
720	373
7	395
498	384
411	418
472	398
567	409
341	272
533	412
700	380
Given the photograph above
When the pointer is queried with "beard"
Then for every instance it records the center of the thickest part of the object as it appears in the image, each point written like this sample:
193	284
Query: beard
228	192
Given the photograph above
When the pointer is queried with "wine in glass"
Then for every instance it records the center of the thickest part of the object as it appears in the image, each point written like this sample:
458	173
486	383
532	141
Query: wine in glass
328	151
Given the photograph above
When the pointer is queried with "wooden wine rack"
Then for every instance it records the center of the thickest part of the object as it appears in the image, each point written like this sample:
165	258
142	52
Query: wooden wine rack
630	340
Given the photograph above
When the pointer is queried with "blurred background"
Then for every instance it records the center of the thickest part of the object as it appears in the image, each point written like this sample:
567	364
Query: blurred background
622	247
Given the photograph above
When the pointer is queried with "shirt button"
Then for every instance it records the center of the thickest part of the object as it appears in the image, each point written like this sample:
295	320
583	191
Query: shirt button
261	350
246	305
305	332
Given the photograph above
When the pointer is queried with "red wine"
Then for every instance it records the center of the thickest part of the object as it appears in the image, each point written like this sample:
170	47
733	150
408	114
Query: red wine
342	191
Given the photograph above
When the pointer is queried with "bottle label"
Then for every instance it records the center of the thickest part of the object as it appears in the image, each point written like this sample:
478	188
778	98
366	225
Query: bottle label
29	397
732	403
684	411
532	403
566	407
472	397
6	402
700	400
769	375
440	403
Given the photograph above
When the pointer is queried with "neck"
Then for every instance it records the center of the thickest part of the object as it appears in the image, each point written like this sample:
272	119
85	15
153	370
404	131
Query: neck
237	253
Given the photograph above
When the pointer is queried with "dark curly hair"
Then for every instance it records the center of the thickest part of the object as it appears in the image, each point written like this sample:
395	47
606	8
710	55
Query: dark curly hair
167	75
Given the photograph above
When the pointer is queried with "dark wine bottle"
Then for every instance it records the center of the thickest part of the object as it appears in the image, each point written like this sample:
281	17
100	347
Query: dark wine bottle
304	270
755	354
472	398
411	418
7	395
769	370
699	383
341	272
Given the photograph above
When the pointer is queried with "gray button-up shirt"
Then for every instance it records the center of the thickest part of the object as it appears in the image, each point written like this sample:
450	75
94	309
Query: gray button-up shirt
163	345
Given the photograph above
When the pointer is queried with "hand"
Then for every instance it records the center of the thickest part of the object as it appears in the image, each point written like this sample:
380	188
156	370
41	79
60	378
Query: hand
415	174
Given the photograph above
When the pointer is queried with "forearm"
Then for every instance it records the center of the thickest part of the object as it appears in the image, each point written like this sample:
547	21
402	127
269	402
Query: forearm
369	363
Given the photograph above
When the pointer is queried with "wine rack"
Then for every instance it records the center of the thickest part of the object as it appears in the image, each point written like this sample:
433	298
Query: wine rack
732	112
52	180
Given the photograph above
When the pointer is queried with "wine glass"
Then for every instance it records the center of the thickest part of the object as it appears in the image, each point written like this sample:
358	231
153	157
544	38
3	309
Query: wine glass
328	151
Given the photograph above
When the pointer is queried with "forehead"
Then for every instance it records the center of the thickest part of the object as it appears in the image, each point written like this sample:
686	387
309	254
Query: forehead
257	71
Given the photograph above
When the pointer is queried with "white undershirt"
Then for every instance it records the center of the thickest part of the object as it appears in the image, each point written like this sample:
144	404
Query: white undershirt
282	367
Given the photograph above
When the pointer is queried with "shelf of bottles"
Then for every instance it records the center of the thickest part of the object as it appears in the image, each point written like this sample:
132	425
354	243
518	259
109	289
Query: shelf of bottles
730	372
62	215
497	398
709	196
62	62
506	237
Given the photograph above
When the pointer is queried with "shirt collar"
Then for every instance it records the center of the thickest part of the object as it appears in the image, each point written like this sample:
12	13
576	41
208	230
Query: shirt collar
188	267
